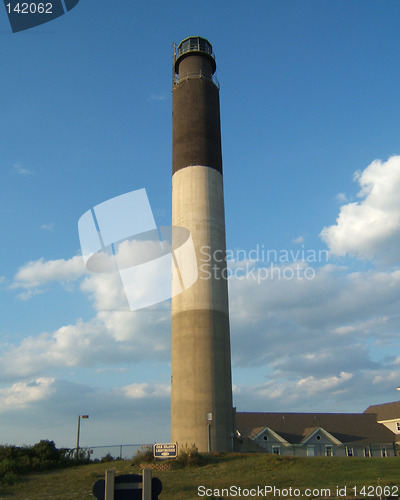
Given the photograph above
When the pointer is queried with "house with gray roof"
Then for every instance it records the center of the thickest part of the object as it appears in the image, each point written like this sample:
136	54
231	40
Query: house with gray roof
388	414
314	434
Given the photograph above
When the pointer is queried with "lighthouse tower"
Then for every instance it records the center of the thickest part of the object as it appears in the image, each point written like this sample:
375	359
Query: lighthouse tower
201	382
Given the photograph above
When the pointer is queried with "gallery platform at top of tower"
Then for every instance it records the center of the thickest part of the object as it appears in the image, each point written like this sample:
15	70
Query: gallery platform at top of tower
192	45
202	65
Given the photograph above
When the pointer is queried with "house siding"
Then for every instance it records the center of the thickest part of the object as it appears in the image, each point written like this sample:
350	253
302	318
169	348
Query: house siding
248	445
347	435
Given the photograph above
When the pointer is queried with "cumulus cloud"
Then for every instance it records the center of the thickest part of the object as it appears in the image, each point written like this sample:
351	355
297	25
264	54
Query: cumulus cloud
144	390
315	385
370	228
105	291
334	298
39	272
297	342
22	394
302	336
346	391
47	408
114	338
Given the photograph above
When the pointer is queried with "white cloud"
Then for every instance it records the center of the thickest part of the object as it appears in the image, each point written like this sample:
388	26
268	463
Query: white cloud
47	408
113	338
158	97
333	298
38	272
144	390
342	198
47	227
382	325
370	229
115	335
22	394
287	331
388	378
296	343
106	291
21	170
313	385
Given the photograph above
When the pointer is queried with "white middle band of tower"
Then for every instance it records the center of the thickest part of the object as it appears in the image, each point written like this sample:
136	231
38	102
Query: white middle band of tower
197	205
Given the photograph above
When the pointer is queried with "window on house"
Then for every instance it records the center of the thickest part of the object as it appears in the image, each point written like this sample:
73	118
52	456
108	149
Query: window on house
328	451
384	452
398	426
349	451
367	451
318	437
265	438
276	450
310	451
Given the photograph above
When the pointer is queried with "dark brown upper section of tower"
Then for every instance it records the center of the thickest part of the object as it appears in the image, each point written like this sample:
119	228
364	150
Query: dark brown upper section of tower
196	129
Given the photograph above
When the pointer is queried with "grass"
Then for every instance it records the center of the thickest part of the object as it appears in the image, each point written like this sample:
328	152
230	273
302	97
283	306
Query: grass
218	472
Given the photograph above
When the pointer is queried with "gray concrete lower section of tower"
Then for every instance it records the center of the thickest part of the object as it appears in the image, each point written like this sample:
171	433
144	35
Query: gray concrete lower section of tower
201	365
201	384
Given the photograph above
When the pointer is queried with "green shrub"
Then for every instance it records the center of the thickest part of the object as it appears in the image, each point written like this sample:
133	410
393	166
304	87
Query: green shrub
9	478
8	452
107	458
44	455
46	451
191	456
8	465
143	456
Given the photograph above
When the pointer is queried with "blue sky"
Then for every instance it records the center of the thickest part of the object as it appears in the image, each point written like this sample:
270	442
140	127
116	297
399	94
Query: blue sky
310	133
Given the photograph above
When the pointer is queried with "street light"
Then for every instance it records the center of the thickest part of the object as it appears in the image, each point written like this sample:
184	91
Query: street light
79	431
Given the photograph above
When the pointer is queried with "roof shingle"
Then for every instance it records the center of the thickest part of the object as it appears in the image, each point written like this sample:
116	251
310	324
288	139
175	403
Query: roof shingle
352	428
386	411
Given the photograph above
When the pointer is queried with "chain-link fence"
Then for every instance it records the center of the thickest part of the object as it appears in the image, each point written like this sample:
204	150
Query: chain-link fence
123	451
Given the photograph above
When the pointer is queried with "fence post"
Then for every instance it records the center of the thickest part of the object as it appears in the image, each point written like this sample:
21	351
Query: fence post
146	484
109	486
